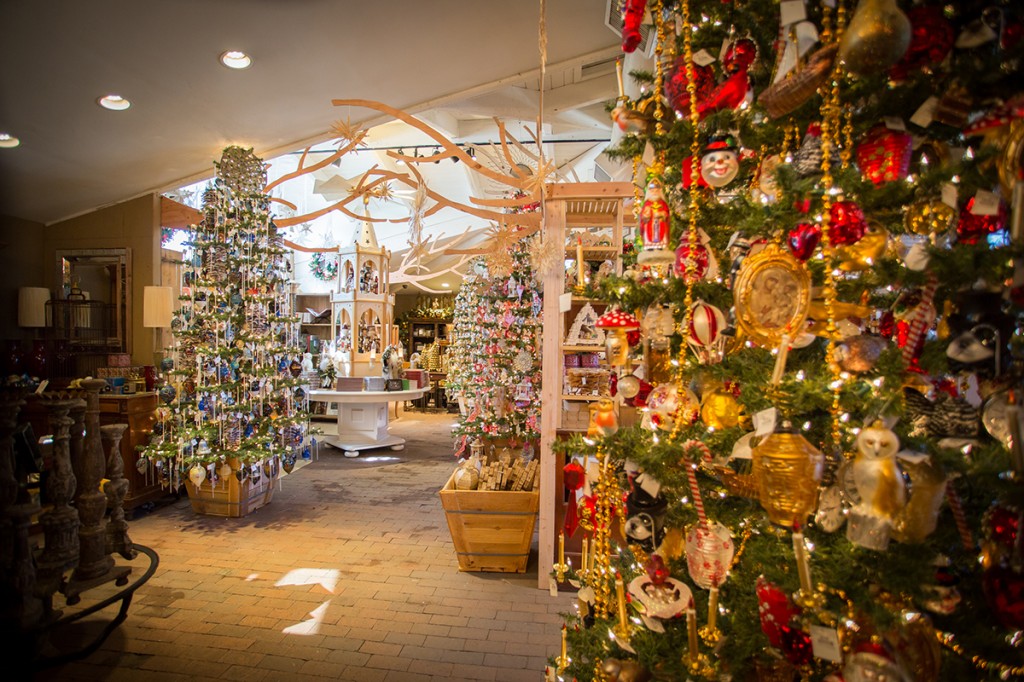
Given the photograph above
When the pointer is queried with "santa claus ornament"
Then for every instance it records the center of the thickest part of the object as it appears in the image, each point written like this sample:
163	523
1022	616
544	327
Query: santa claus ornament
655	221
719	164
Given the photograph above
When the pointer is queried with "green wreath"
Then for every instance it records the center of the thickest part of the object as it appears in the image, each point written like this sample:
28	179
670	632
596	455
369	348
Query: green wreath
324	269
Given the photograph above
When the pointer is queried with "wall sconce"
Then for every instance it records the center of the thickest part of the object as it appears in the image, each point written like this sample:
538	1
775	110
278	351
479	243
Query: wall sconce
32	306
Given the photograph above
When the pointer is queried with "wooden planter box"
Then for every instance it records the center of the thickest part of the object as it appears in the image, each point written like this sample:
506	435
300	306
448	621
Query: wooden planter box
492	530
230	497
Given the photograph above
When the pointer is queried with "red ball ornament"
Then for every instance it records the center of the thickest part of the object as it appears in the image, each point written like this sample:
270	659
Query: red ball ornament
1004	590
803	240
677	79
970	227
846	223
884	155
931	39
796	644
1001	525
739	56
633	337
698	258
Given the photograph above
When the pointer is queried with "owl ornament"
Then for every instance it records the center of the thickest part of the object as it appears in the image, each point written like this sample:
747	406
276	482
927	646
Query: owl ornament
879	486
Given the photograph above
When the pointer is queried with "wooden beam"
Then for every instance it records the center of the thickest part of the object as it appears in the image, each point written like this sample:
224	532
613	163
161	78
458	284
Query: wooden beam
176	215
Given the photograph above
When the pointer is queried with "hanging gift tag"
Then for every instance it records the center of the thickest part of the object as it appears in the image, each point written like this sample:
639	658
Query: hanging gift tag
894	123
648	157
985	203
825	643
949	194
552	586
925	113
565	302
649	484
764	422
703	58
791	11
912	457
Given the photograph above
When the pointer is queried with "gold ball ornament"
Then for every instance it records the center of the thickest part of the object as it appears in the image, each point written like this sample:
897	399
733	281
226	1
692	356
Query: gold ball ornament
719	409
929	217
865	252
875	39
667	402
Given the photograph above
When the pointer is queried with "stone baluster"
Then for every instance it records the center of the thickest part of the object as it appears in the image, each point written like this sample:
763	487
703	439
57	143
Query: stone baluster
20	609
60	522
115	489
94	561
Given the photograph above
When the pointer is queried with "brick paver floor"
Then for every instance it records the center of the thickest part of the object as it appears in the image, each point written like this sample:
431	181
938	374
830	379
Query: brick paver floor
349	574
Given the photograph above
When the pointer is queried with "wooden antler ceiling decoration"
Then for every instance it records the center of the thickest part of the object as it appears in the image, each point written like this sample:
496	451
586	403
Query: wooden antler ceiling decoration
526	186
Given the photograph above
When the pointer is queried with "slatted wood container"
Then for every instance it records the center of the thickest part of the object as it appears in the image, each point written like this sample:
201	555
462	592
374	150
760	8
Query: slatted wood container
492	530
231	497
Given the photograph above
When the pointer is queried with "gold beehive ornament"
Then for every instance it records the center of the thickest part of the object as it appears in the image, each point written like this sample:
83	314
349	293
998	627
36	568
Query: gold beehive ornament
787	470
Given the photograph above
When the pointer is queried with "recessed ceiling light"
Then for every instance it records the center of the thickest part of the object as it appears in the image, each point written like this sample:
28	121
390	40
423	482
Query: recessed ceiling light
114	102
8	141
446	285
234	59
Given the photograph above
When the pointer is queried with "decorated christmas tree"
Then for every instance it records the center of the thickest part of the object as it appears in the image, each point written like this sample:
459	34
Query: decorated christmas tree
494	367
233	401
829	487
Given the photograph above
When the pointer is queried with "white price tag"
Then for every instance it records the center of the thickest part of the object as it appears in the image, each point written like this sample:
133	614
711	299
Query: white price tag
825	643
894	123
764	422
703	58
552	586
791	11
925	113
806	36
985	203
911	456
648	157
565	302
949	194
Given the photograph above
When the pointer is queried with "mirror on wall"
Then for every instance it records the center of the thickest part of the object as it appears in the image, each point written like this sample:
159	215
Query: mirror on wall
93	306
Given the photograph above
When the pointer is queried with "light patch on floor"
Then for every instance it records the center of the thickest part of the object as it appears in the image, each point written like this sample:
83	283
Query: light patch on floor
311	626
325	577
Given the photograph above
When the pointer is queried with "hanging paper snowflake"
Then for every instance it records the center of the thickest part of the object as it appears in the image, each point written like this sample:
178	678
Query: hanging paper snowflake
324	269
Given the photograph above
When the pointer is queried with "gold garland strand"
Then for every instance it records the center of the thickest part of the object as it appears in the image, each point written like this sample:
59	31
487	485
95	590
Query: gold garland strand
691	229
829	128
1005	670
606	493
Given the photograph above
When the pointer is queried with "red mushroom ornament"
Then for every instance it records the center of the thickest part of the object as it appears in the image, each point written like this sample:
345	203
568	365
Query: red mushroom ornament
617	324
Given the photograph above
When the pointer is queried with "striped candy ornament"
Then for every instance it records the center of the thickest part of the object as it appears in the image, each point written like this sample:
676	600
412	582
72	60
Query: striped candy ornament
706	324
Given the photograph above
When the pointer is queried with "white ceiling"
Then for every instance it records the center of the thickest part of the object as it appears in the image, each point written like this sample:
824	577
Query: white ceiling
455	62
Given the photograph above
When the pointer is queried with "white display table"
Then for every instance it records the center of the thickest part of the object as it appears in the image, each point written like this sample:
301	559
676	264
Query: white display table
363	418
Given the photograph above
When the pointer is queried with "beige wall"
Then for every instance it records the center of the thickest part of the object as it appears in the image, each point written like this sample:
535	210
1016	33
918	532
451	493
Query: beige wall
133	224
21	265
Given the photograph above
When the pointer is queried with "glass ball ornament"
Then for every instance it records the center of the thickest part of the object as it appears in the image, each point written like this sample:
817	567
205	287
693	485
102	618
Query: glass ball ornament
667	402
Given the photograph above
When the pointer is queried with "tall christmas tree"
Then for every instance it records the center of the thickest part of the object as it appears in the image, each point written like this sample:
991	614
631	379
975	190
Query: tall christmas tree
494	353
830	485
233	402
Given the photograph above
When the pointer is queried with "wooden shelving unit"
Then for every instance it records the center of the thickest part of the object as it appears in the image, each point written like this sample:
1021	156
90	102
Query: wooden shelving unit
587	217
320	303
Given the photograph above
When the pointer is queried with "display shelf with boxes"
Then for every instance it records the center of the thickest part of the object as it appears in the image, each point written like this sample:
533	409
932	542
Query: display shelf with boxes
587	219
424	331
315	325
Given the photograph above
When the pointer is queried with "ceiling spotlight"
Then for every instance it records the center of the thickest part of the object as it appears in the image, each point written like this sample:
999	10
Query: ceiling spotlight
445	285
235	59
8	141
437	152
113	102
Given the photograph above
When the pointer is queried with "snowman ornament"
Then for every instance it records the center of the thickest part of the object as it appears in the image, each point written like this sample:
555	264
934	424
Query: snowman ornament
719	163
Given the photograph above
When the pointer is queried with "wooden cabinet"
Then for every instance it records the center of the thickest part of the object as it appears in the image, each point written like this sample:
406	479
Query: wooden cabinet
424	331
315	326
138	411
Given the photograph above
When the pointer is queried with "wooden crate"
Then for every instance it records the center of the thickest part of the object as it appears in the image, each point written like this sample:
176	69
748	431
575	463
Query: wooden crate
491	530
230	497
